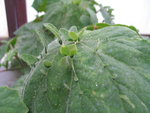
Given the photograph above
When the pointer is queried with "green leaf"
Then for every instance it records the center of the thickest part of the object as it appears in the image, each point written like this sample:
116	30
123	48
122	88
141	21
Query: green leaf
64	34
32	37
73	35
12	42
8	57
102	25
107	14
66	15
41	5
29	41
29	59
73	29
93	16
80	33
130	27
85	19
18	85
77	2
47	63
112	71
97	26
68	50
52	29
42	38
11	102
3	50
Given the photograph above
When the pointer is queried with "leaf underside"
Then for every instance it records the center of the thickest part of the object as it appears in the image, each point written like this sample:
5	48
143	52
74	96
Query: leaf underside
112	66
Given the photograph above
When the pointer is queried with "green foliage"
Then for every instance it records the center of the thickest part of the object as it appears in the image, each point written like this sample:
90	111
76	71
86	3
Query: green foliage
29	59
6	46
102	25
100	68
11	102
7	52
106	12
66	15
73	36
53	29
93	16
3	50
108	73
32	37
9	56
42	5
47	63
29	41
68	50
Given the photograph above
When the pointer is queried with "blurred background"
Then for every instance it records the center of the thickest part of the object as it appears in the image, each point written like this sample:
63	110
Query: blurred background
129	12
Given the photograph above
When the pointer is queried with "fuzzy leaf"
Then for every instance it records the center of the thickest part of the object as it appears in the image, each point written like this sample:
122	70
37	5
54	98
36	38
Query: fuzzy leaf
64	34
29	59
52	29
102	25
73	29
66	15
109	74
3	50
29	41
85	19
107	14
93	16
10	101
41	5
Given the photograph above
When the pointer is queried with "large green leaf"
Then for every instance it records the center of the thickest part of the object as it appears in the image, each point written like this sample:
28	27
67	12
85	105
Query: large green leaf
102	25
109	74
67	15
10	101
29	41
41	5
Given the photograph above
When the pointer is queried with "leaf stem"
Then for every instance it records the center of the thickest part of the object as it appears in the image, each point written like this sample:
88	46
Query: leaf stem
73	69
